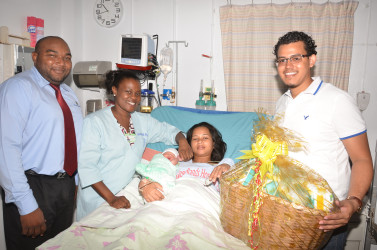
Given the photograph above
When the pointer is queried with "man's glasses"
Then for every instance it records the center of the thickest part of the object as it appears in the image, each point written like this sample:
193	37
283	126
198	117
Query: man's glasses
294	59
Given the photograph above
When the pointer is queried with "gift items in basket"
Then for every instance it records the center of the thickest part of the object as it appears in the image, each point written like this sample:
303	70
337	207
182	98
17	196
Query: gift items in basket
271	201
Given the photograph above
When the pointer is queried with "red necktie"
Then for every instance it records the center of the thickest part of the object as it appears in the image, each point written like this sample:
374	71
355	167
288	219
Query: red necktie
70	146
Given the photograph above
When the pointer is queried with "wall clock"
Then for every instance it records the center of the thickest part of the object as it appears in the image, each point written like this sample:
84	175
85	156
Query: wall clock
108	13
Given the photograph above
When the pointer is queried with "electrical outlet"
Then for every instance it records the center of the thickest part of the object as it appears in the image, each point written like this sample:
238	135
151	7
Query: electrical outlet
362	100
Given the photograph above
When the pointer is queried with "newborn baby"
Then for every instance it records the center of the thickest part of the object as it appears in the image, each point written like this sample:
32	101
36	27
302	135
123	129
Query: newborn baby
162	169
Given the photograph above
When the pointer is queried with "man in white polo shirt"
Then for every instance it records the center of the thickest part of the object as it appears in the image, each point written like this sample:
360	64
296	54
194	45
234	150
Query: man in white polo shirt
329	121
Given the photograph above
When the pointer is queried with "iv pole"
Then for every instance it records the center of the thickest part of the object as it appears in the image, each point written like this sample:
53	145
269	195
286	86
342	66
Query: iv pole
176	65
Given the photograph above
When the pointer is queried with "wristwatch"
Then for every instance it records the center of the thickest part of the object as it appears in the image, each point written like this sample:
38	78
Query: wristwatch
358	201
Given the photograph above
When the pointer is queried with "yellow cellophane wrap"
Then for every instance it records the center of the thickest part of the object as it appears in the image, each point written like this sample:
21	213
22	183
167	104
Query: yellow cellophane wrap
271	201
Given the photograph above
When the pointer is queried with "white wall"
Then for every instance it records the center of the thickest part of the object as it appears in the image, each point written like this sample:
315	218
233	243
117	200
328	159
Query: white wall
363	73
195	21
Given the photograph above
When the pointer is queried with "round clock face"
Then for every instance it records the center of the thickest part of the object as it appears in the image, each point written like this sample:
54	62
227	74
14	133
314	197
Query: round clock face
108	13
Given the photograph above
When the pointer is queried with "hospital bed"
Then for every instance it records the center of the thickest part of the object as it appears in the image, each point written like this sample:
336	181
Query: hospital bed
187	218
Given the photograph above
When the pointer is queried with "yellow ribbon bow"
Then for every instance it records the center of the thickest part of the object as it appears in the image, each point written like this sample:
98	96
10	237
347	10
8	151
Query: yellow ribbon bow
267	151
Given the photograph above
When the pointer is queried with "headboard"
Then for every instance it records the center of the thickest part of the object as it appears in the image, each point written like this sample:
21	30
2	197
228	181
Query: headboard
235	127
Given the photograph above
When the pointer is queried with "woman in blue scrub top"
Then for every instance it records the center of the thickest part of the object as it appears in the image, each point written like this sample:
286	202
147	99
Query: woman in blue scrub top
113	142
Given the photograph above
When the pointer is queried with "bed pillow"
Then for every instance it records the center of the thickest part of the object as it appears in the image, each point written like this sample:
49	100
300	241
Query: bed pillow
235	127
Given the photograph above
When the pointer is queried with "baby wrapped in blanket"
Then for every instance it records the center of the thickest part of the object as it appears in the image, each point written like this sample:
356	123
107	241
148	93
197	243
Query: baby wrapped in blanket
162	169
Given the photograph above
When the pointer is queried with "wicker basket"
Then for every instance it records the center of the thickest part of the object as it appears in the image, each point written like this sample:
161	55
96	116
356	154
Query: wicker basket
289	226
283	225
236	201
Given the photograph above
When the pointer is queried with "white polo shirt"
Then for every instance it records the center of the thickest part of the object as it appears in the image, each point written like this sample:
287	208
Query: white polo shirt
323	116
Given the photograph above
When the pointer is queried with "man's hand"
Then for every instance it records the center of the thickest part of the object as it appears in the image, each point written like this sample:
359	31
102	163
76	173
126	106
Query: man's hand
218	171
333	221
151	191
33	224
120	202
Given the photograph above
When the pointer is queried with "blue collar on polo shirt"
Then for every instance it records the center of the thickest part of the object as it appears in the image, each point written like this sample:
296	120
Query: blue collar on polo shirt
313	88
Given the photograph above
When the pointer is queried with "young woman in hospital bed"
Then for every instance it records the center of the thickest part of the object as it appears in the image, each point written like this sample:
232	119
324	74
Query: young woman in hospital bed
208	148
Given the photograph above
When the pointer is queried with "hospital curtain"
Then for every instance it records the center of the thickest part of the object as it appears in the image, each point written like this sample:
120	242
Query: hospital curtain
249	33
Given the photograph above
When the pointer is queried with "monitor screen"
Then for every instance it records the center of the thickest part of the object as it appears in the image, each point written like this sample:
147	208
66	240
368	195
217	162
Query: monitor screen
131	47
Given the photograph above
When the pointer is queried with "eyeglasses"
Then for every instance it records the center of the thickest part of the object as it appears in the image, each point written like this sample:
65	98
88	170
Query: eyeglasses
294	59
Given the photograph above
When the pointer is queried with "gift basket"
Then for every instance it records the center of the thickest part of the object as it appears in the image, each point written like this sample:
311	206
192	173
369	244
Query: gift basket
271	201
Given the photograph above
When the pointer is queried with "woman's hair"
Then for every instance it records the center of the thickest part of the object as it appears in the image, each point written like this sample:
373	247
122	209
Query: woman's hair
114	77
297	36
219	148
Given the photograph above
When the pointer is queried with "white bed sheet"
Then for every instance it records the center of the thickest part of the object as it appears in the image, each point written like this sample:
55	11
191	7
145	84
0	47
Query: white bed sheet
188	218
